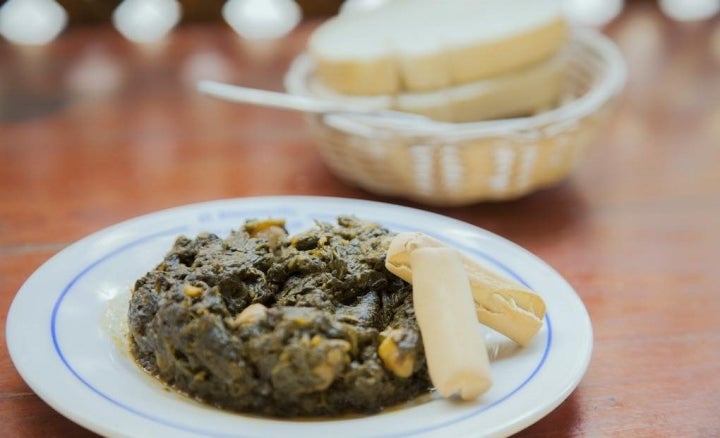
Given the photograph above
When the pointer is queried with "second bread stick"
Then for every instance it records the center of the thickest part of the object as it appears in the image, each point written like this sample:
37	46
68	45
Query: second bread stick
454	346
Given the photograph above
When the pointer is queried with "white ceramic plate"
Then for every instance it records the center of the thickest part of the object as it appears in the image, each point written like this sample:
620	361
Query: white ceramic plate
65	332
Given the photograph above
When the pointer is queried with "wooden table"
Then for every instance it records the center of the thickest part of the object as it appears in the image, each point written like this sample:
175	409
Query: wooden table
94	131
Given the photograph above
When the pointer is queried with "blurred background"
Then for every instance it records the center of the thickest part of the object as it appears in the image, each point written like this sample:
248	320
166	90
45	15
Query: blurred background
37	22
83	12
34	81
55	15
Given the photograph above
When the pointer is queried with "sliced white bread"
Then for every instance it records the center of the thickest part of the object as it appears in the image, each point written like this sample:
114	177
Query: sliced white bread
521	92
422	45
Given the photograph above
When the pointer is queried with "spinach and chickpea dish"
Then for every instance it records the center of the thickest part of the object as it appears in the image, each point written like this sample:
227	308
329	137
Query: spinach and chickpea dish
264	322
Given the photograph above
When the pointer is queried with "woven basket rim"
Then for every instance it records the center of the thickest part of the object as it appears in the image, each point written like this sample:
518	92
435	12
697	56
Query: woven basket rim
608	84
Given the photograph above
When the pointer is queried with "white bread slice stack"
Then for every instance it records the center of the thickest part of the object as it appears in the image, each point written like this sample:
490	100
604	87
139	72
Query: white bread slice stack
411	46
525	91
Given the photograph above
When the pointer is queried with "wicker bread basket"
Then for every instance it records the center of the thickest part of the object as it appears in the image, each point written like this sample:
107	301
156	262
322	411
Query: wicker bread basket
439	163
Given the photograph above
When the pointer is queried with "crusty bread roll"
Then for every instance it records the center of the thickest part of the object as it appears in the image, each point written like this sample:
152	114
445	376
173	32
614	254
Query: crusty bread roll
500	303
521	92
422	45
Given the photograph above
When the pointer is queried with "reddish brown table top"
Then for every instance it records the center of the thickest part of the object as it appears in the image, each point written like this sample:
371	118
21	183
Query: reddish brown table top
635	229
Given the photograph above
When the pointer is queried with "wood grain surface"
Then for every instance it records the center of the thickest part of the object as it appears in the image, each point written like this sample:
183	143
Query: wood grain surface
94	130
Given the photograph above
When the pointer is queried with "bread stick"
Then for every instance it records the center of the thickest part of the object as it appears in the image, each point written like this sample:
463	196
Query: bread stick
501	304
454	346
